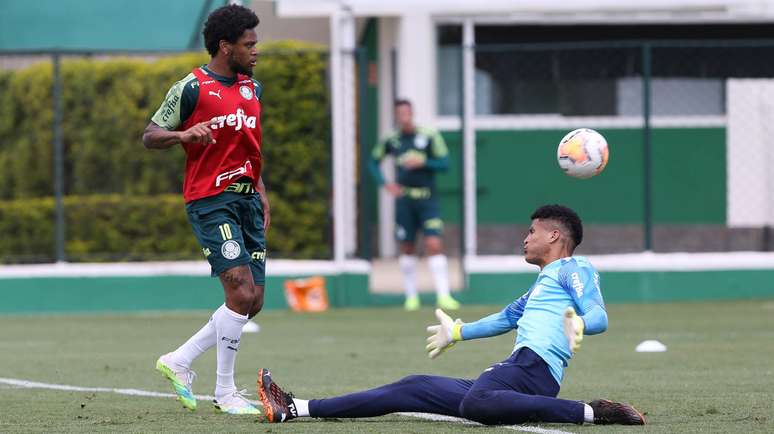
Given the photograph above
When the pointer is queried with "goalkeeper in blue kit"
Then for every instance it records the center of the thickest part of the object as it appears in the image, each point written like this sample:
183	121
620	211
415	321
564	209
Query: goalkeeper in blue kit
563	305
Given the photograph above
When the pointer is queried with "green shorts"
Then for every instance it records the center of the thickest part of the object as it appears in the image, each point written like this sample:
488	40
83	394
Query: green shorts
229	228
411	215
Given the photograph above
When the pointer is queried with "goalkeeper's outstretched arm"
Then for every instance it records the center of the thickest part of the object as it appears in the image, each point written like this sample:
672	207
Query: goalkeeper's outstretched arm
444	335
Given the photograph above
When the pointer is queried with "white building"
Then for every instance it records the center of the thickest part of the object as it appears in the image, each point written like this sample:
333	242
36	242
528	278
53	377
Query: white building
420	46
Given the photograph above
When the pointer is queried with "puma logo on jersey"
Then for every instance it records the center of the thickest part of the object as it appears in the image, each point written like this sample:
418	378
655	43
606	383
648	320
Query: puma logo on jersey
217	94
236	120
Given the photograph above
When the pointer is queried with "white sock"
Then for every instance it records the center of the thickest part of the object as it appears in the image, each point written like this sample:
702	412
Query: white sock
228	325
197	344
302	407
439	266
588	414
408	266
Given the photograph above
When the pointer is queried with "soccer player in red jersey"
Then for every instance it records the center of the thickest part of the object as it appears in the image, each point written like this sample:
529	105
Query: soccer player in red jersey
214	113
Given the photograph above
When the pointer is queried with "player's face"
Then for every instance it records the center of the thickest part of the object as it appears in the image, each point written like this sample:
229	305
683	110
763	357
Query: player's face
537	244
243	53
404	117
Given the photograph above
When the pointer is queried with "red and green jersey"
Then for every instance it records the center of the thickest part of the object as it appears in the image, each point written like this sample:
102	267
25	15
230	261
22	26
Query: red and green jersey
235	108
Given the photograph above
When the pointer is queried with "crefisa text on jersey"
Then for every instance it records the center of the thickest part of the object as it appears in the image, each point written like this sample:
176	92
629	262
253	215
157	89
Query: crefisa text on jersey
235	120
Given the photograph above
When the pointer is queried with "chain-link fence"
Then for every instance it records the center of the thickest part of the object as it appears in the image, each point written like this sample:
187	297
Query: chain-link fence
686	121
78	185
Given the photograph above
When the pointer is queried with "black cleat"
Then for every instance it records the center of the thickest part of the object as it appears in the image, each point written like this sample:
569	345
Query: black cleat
608	413
277	404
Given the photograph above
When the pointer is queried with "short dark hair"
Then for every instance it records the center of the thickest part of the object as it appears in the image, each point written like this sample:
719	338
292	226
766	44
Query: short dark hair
227	23
564	216
400	102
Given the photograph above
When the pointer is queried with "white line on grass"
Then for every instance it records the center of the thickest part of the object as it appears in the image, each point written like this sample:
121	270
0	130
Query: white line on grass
131	392
441	418
136	392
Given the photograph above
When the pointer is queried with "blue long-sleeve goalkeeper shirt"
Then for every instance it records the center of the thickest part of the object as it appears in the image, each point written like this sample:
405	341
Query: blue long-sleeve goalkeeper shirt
538	314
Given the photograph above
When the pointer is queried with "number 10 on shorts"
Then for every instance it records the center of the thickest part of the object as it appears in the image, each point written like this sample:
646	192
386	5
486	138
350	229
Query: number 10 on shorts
225	231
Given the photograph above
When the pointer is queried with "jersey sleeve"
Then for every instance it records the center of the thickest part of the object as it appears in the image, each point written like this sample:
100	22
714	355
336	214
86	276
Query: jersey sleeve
376	171
381	149
583	284
377	154
438	158
497	323
258	88
178	104
438	145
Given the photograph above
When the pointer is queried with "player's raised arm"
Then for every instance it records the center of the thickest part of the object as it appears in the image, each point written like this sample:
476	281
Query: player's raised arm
583	284
156	137
165	128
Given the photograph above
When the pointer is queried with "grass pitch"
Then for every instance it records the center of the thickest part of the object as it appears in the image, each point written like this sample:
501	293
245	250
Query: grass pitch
717	375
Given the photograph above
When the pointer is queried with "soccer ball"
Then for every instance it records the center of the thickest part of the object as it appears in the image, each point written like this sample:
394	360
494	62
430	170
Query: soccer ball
582	153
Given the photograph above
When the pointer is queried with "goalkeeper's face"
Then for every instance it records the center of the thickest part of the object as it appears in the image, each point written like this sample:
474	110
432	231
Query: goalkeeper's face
537	244
243	53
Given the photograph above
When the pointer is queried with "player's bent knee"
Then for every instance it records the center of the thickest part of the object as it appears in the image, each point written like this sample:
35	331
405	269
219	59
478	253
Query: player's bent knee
411	380
242	298
478	407
248	296
240	289
433	245
408	248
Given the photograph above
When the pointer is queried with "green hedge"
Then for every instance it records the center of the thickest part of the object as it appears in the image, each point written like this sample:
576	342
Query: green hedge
107	104
99	228
121	228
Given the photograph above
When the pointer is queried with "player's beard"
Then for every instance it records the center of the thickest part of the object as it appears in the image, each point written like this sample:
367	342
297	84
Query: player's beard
235	66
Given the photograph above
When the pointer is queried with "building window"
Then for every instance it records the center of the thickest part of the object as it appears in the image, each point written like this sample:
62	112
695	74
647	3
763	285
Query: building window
449	62
590	70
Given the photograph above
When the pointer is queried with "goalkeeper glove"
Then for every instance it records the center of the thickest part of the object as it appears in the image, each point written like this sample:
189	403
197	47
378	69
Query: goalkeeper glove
573	329
444	335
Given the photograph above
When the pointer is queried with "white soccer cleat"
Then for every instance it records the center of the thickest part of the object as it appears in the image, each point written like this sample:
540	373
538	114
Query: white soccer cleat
235	403
180	378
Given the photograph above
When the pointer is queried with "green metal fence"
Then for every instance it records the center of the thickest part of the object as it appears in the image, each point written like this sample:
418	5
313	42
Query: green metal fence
686	121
